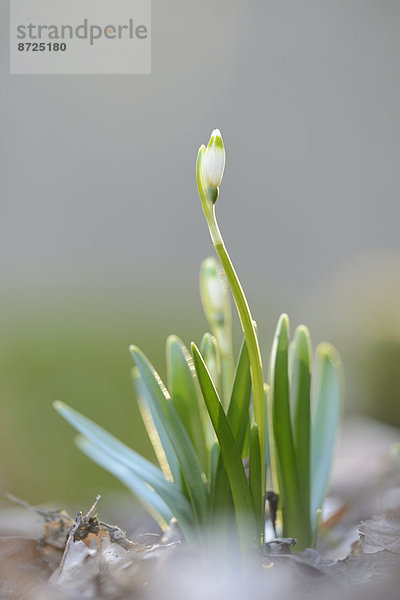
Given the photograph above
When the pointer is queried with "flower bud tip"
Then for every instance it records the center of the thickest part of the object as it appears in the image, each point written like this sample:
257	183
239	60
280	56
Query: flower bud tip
213	163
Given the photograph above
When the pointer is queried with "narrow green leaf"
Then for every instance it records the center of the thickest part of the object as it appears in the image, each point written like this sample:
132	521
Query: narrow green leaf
147	496
254	477
244	508
268	458
282	429
162	446
180	440
238	411
111	444
214	457
300	391
210	352
221	502
182	386
326	401
316	524
139	466
239	420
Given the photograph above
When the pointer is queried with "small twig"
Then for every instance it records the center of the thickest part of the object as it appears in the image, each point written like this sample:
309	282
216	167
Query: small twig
18	501
93	507
47	515
71	538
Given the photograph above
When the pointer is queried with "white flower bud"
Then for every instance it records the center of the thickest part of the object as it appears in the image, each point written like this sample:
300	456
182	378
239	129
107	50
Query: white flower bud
212	289
213	162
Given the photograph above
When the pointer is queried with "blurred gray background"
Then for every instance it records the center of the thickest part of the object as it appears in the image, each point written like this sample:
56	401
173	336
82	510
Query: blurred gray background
102	232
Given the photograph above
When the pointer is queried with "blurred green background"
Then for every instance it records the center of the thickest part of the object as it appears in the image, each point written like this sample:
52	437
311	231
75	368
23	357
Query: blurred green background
102	234
79	354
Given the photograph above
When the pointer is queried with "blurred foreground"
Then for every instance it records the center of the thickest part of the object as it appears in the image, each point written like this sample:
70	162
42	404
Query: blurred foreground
358	556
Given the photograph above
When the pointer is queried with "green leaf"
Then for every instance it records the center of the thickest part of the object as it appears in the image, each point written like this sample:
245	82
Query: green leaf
210	352
238	411
243	503
268	458
180	440
147	496
282	429
162	446
326	401
256	490
181	384
239	420
221	502
214	457
139	466
300	391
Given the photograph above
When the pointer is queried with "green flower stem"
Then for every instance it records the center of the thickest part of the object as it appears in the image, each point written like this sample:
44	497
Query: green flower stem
208	198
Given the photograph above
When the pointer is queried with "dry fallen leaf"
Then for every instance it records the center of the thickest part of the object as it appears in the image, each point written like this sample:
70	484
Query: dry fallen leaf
22	566
381	533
